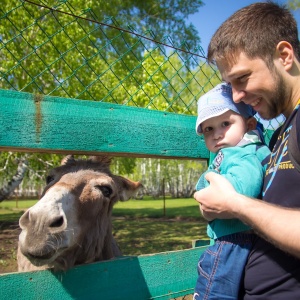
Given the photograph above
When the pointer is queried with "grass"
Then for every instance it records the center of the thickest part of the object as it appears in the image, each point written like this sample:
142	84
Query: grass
154	208
181	208
17	204
146	227
140	236
139	226
12	210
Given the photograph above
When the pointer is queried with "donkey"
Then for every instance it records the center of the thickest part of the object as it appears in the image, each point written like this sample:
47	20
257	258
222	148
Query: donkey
72	224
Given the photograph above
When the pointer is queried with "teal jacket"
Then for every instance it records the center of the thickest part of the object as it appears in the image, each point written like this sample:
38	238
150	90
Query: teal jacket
244	166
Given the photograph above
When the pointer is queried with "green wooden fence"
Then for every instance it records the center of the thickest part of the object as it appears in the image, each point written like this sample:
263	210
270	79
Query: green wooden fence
166	275
33	123
43	124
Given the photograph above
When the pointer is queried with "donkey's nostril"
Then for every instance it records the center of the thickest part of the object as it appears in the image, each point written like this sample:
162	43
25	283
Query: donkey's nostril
57	222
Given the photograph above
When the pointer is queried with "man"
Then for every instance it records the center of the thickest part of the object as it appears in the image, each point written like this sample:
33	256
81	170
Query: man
257	51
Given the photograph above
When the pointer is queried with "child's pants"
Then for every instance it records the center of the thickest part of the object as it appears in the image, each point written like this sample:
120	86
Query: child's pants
221	268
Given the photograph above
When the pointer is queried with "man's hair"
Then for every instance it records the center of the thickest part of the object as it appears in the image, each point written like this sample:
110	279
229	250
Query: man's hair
255	30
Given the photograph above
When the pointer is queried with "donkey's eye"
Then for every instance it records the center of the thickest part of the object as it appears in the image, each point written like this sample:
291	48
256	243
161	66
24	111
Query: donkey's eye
106	190
49	178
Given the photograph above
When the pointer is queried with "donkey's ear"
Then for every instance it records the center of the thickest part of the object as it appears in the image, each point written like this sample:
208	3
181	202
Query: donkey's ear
104	159
69	159
128	188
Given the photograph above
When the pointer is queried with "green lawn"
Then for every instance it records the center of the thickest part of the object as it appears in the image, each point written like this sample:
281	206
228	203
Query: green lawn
143	226
17	204
11	210
146	208
149	208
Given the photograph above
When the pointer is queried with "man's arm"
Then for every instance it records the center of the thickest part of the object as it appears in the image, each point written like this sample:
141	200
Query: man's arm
280	226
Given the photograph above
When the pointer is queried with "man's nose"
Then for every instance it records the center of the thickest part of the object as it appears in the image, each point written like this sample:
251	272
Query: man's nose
237	95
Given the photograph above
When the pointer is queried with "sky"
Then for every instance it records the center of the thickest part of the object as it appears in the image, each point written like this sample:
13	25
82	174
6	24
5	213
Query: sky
215	12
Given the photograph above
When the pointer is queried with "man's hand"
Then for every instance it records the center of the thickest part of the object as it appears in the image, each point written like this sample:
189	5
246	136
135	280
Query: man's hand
217	200
206	216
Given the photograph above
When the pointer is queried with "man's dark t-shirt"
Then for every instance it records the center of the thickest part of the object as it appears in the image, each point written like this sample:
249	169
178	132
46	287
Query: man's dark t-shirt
271	273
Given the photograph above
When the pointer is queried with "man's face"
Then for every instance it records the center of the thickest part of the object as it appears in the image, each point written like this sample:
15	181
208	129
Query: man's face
255	84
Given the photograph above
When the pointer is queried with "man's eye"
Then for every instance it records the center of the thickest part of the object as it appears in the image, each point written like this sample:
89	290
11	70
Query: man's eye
243	78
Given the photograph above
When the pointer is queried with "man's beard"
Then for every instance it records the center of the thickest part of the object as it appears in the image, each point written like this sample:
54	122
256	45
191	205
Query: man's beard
278	98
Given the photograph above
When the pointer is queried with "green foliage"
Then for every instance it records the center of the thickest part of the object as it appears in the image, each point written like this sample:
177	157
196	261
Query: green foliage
168	176
54	53
293	4
162	17
123	165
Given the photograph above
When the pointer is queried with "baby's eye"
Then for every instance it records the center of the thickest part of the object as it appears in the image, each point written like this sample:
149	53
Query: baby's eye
225	124
207	129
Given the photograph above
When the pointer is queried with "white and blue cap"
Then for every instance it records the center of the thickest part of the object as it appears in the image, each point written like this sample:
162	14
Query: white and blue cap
218	101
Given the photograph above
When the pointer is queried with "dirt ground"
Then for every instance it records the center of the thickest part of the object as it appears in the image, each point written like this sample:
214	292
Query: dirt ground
9	233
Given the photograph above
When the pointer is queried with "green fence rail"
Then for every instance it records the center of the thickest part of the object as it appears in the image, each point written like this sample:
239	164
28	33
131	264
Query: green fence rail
61	51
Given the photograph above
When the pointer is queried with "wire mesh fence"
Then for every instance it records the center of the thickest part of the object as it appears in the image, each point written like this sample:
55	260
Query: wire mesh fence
50	48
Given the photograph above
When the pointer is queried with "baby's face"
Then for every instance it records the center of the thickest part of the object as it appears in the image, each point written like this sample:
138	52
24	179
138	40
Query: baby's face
223	131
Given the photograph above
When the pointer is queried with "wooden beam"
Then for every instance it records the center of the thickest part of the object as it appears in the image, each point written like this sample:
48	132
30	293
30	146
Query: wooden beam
161	276
35	123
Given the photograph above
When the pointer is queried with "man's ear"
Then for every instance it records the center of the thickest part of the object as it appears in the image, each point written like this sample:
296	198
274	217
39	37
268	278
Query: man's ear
251	123
285	53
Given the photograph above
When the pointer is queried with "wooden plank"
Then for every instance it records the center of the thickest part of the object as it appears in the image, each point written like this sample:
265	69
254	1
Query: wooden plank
159	276
59	125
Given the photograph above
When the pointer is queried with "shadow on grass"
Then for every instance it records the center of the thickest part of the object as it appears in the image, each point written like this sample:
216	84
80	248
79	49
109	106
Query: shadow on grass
7	219
146	236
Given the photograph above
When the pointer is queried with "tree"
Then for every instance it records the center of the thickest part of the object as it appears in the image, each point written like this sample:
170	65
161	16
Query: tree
65	56
179	176
29	171
8	189
293	4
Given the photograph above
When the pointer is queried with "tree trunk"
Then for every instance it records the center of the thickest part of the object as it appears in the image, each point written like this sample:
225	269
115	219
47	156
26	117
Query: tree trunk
7	190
